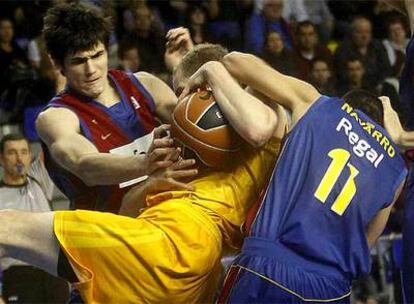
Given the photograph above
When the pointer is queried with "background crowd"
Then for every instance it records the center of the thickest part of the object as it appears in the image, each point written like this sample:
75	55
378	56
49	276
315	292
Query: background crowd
336	45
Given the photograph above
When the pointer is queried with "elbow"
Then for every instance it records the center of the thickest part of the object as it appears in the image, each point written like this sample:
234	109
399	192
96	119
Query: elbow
260	135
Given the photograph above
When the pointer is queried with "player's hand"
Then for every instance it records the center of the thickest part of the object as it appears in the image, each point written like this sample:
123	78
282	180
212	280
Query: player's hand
391	120
178	44
160	151
170	178
199	79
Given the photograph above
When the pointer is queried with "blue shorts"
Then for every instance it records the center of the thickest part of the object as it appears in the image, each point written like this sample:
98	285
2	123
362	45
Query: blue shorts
408	240
261	278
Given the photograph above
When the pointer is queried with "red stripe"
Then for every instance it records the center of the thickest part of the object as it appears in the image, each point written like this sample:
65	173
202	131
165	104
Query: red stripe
228	284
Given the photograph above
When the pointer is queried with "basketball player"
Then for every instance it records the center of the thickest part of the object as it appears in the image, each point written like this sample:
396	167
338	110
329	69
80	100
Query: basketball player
171	251
97	131
329	196
405	140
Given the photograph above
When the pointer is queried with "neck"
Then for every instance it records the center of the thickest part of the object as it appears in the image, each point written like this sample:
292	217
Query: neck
14	180
109	96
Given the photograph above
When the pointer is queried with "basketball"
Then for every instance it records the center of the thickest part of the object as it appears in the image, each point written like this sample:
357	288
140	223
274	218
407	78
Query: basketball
200	128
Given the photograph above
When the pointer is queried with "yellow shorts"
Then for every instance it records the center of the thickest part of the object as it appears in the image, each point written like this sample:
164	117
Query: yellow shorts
170	253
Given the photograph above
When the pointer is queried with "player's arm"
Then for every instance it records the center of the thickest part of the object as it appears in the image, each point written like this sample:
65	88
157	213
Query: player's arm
164	98
409	5
292	93
60	131
404	139
377	224
251	118
161	180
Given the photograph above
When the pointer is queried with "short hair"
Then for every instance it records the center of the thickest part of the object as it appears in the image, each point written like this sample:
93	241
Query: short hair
10	137
199	55
366	102
74	27
304	23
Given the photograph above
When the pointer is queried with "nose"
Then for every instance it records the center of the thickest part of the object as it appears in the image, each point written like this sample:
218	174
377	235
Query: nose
90	68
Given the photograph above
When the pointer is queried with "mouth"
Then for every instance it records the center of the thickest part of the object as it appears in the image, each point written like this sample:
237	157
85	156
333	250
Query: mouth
92	81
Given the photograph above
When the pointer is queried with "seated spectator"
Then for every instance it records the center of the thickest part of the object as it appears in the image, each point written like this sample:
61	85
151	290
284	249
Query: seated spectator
395	44
309	48
197	24
26	186
369	51
354	77
10	53
281	59
320	15
321	77
259	24
226	19
149	39
128	54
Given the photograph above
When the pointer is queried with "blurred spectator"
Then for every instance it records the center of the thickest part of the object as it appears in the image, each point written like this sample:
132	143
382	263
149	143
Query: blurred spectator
383	11
172	12
354	77
320	15
226	19
308	47
321	77
149	39
26	186
370	52
178	44
10	53
259	24
129	58
294	11
276	55
395	44
196	22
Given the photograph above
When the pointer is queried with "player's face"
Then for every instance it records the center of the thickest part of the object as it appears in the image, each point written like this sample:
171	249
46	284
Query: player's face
86	71
16	158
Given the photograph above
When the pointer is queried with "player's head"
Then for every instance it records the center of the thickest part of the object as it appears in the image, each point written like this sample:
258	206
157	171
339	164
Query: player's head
193	60
366	102
77	38
15	155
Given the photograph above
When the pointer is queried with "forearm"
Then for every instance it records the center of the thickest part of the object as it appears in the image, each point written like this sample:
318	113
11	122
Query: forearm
406	140
409	5
288	91
134	200
109	169
252	119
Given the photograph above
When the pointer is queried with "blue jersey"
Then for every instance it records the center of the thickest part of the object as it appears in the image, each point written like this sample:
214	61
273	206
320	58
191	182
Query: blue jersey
407	86
337	169
407	99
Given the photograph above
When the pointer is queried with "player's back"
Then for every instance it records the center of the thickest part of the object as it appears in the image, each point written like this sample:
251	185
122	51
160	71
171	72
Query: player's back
336	170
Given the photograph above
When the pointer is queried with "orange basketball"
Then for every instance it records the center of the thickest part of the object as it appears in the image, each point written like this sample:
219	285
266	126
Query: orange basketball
198	125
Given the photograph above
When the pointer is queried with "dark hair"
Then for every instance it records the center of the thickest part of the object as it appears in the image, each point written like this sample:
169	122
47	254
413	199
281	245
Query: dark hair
10	137
74	27
304	24
199	55
366	102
